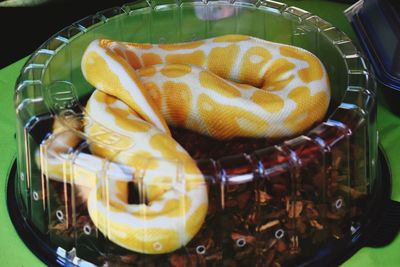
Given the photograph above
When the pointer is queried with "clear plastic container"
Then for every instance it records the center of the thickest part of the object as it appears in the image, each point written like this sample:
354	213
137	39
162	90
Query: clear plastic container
377	25
283	204
368	19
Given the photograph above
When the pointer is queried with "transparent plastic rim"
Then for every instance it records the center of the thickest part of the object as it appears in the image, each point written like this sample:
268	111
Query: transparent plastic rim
356	110
356	65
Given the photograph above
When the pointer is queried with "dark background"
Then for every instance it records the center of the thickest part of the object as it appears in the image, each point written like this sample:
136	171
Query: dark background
24	29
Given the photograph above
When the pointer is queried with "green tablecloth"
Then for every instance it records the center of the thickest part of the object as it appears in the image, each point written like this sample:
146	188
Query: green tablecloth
13	251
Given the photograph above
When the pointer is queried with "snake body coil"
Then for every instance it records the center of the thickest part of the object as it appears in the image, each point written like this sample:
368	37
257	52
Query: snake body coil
223	87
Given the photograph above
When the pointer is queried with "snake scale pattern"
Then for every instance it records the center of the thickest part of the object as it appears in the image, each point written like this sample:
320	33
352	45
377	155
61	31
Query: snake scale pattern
224	87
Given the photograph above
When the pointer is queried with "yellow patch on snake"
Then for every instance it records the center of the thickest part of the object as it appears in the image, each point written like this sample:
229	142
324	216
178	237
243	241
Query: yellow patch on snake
150	59
314	70
176	70
177	92
157	187
181	46
154	93
252	63
195	181
243	122
177	207
243	86
104	98
117	207
168	149
116	203
147	72
273	79
196	58
231	38
104	136
308	108
119	52
81	176
222	59
104	43
141	159
121	190
268	101
123	121
212	82
133	59
194	222
166	146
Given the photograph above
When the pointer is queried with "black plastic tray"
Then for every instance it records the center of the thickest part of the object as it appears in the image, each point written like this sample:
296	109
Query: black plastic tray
379	227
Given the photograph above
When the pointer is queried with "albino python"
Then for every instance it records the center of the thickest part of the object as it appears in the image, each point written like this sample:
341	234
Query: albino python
223	87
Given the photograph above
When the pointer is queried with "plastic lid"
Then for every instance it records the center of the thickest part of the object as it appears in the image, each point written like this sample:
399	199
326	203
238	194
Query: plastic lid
377	25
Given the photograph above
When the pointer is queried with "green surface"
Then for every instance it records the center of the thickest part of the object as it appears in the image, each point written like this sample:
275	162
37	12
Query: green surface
13	252
389	133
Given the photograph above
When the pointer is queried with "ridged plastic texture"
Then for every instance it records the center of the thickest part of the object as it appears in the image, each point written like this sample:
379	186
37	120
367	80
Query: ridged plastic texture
368	18
278	205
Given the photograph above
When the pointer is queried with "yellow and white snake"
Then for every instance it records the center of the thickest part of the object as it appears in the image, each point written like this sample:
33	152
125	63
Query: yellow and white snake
224	87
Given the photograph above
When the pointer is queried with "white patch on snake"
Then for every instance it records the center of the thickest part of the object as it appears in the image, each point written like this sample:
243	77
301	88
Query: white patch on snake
302	116
120	234
133	118
255	59
90	61
285	75
319	86
100	85
236	66
245	124
207	107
